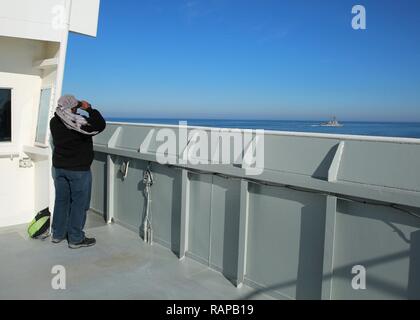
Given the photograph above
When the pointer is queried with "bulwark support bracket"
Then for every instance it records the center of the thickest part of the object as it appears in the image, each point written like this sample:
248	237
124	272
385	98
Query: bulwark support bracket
335	164
114	138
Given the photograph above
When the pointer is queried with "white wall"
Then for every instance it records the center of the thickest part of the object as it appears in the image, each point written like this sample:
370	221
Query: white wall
43	178
84	16
34	22
16	186
23	191
40	18
27	35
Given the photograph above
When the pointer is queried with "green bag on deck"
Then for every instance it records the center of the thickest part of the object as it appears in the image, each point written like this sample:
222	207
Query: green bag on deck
39	227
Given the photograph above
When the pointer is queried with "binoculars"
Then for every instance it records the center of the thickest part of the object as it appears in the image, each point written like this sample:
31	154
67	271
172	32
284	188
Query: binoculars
79	105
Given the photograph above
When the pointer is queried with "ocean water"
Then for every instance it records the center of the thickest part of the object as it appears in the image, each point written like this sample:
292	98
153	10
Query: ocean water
381	129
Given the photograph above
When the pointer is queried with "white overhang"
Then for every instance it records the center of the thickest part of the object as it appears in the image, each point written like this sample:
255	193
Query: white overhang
42	19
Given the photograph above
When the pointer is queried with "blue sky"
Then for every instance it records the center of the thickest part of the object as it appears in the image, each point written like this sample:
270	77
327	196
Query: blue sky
250	59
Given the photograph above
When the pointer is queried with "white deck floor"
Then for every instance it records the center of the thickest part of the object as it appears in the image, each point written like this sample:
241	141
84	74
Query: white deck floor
120	266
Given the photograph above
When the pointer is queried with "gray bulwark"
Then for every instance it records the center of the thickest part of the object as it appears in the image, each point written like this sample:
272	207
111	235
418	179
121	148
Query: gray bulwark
323	205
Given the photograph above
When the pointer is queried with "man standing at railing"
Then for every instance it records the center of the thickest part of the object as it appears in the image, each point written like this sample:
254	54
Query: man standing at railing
73	155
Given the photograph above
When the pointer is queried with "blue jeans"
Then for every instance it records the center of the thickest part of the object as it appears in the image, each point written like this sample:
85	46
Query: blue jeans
72	200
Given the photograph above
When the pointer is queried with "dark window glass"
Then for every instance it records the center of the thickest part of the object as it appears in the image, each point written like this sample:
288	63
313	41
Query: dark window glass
5	115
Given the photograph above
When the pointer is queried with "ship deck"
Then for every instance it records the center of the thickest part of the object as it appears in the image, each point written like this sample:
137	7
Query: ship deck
120	266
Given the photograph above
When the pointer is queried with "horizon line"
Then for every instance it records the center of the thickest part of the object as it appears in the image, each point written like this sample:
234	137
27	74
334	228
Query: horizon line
247	119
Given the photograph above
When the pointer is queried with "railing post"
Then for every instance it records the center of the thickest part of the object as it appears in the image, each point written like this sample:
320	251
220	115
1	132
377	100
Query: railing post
110	164
185	207
328	267
111	189
243	232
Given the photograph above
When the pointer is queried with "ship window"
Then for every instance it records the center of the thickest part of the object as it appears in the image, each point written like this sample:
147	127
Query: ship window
5	115
43	112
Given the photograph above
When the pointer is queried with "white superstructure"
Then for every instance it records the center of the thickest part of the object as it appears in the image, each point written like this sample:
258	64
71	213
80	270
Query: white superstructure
33	42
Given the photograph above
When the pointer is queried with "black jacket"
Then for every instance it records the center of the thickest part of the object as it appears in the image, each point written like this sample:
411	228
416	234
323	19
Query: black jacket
74	150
